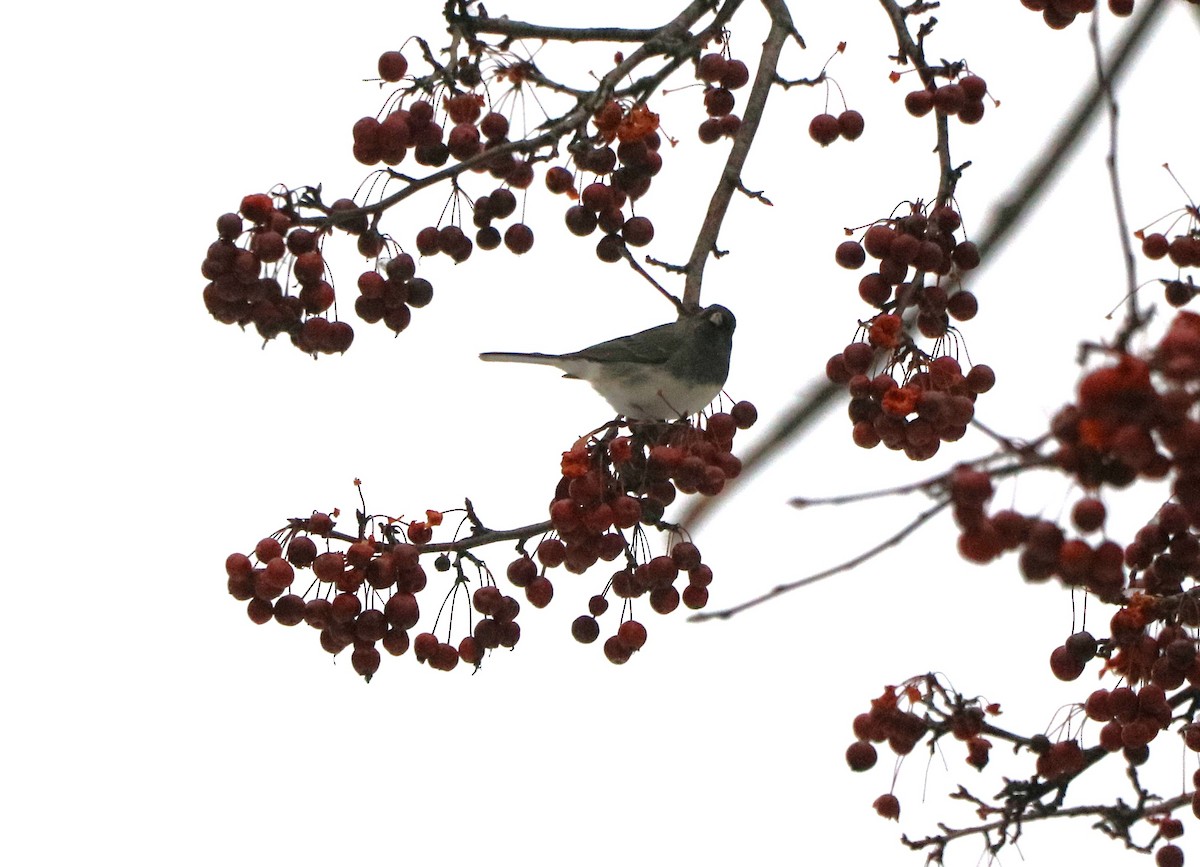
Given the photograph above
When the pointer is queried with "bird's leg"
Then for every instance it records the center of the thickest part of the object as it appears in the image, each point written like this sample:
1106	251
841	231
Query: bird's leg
667	404
610	428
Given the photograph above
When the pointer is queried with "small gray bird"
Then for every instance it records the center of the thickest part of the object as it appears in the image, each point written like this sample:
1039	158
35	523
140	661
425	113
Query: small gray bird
666	372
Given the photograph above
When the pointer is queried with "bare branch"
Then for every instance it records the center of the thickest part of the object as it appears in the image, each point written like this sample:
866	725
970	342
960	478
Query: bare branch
1134	317
706	240
1038	177
852	563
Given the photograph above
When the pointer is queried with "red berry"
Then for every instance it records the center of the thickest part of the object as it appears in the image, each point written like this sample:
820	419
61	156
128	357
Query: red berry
585	629
1171	828
259	610
718	102
949	98
616	652
610	248
632	634
664	600
638	231
850	254
539	592
919	103
266	550
695	596
1088	514
495	126
257	208
861	756
711	67
518	238
744	414
1155	246
736	74
559	180
523	570
1169	856
392	66
888	806
850	124
824	129
965	255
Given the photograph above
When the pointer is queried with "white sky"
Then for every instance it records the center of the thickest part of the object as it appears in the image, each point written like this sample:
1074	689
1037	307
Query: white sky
150	721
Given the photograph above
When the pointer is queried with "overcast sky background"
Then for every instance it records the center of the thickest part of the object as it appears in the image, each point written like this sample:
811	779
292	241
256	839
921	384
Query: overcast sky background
151	721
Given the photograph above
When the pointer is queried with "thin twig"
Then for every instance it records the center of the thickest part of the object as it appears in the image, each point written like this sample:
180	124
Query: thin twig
1037	179
852	563
477	540
1134	318
939	841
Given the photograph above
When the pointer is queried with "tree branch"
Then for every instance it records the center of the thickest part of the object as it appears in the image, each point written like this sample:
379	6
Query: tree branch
706	240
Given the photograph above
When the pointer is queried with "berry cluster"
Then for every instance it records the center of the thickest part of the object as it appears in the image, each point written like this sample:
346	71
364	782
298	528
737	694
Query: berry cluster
621	175
1133	418
933	401
1133	718
932	404
924	709
826	128
416	128
962	98
927	244
1046	551
366	595
1059	14
363	596
1184	252
243	286
389	297
894	719
439	118
471	133
721	75
614	484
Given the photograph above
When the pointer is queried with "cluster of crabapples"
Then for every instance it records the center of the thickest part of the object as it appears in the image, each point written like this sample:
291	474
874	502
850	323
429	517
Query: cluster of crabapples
1133	418
245	287
472	133
962	98
903	716
1182	249
620	175
826	128
609	170
365	596
922	709
1059	14
934	400
721	75
618	483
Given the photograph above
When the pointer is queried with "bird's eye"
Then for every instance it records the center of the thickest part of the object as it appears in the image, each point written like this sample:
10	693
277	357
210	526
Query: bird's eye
717	318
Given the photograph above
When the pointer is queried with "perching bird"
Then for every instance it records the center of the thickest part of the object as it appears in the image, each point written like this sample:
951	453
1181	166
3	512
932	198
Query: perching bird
666	372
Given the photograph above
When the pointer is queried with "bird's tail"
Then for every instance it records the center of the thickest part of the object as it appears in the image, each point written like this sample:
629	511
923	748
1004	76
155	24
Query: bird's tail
520	357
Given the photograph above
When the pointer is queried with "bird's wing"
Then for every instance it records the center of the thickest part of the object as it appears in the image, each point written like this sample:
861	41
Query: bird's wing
652	346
